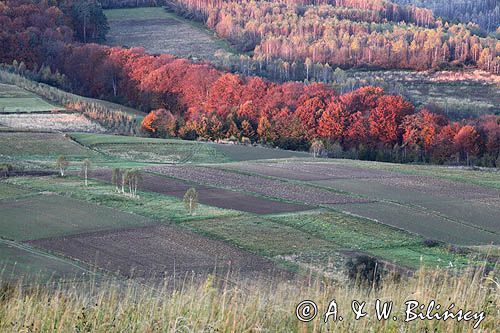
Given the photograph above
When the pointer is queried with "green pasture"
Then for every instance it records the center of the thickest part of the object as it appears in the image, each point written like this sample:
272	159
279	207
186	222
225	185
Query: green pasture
45	216
14	99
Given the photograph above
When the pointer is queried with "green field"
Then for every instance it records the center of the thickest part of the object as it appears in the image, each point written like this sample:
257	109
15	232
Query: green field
14	99
9	191
176	151
248	153
151	205
40	145
320	238
46	216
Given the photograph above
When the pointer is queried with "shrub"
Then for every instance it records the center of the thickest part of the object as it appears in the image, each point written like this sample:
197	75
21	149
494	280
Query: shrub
364	269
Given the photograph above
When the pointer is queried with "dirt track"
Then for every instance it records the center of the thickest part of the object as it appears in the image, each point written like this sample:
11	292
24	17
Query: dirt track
157	252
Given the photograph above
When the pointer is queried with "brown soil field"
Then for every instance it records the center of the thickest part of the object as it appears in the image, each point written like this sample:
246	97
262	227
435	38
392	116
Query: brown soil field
158	252
260	185
210	195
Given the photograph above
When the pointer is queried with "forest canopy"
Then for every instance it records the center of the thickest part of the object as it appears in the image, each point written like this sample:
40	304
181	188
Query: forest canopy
346	33
197	101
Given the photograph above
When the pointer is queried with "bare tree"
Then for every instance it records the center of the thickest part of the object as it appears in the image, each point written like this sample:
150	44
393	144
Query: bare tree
191	200
62	163
317	147
86	165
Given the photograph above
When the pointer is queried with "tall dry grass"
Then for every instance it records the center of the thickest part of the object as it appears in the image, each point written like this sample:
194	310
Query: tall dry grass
248	306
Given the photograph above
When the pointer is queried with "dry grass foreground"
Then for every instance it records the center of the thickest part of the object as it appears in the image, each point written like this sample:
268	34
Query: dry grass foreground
255	306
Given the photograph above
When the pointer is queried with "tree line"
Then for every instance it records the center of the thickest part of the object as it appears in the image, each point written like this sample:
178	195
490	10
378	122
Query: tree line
346	33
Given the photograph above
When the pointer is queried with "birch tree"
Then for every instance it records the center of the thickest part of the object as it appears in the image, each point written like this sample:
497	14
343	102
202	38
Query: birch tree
316	148
191	200
86	165
62	163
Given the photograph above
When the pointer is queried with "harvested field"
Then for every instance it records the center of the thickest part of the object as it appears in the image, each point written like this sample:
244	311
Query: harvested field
51	122
259	185
158	251
163	153
210	195
467	206
483	177
151	149
52	215
177	151
18	260
158	31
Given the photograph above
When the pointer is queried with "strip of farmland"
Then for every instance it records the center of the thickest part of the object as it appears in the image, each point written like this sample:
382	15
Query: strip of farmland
158	252
210	195
450	211
259	185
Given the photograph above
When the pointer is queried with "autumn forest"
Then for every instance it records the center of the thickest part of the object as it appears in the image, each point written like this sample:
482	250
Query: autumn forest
195	100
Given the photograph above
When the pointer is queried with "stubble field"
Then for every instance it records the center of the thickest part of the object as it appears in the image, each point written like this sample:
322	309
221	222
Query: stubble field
161	32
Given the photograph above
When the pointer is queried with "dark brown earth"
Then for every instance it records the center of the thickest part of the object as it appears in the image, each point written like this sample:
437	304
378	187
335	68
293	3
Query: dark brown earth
210	195
159	252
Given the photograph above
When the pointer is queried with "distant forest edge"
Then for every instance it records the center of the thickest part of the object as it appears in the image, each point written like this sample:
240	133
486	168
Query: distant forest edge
197	101
345	33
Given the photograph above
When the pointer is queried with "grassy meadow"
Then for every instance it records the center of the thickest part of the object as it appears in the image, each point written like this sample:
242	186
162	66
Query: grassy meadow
14	99
257	306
